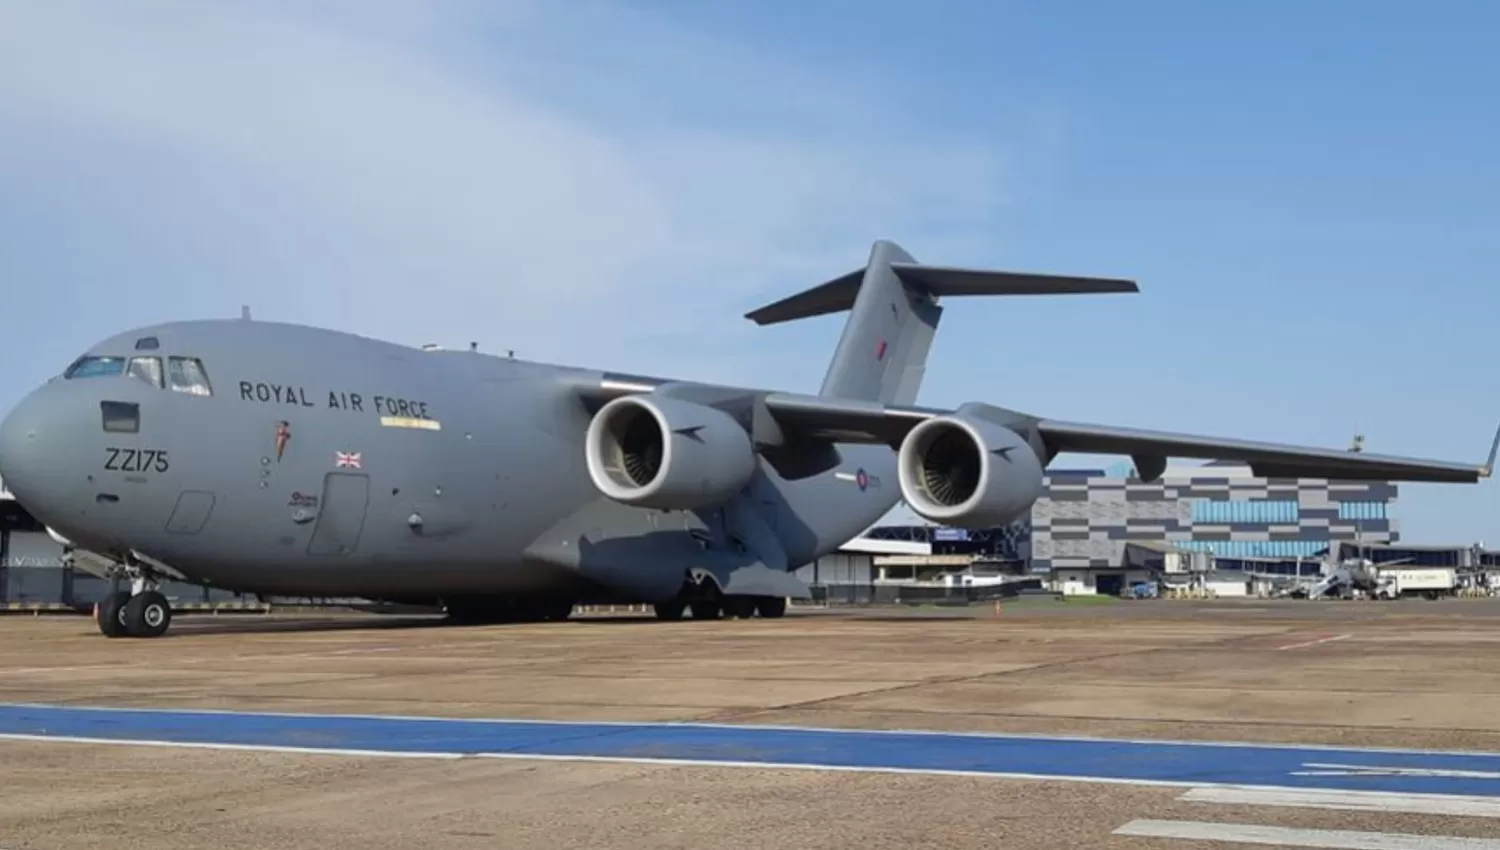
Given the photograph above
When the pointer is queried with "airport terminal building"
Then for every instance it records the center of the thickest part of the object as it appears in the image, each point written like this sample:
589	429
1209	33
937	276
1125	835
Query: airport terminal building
1222	510
1102	530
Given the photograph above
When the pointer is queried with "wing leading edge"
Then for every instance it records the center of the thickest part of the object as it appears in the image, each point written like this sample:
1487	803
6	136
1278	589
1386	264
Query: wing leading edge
1267	460
834	419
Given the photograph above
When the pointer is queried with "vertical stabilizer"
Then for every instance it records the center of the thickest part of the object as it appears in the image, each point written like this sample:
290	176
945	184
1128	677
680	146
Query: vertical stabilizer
883	351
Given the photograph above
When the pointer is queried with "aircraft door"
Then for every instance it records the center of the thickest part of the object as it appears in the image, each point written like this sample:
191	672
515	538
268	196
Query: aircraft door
341	517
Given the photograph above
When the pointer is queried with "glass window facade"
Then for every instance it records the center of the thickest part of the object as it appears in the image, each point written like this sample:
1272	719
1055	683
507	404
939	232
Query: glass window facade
1362	510
1254	548
1257	512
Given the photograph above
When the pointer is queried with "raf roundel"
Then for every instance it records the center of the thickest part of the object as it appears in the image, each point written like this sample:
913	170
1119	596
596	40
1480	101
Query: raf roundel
862	479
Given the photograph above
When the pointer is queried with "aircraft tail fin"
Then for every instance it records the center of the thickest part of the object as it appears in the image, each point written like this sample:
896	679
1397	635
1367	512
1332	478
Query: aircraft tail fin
894	313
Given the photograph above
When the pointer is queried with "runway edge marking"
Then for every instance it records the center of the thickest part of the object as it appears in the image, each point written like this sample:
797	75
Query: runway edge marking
649	760
1285	836
252	748
693	724
664	761
1352	801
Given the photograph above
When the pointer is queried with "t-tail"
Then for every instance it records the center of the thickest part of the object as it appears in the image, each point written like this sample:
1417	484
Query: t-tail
893	316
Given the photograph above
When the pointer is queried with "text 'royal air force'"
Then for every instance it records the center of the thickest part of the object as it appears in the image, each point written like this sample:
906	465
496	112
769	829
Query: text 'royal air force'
298	397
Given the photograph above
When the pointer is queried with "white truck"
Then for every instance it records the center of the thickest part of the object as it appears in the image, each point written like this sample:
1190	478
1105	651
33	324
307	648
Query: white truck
1429	582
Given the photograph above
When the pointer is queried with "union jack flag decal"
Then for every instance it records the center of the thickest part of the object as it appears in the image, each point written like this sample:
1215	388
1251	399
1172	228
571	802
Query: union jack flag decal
346	459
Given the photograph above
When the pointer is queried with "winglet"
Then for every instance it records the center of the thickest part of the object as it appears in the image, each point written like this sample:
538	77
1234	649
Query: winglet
1489	466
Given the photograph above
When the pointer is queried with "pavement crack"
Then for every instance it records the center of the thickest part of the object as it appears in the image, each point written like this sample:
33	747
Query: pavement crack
962	679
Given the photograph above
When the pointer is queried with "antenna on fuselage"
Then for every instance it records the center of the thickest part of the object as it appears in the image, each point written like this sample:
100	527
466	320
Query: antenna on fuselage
245	312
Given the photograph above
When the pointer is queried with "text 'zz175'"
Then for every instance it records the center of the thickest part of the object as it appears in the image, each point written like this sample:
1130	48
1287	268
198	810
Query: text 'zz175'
136	460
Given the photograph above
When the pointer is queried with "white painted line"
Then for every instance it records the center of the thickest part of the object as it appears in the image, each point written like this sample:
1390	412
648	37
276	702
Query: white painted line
671	762
1281	836
1350	801
1197	787
252	748
1313	642
1331	769
16	671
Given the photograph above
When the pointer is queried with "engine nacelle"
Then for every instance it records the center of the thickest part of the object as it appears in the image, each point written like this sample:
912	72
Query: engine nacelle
961	471
667	453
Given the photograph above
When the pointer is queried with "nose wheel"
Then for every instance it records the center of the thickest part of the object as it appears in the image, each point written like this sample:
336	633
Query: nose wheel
146	614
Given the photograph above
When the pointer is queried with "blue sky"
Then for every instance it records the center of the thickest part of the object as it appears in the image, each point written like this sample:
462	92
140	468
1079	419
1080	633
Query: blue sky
1305	191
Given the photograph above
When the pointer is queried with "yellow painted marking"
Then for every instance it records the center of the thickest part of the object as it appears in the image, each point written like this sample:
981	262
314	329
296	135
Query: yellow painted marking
408	422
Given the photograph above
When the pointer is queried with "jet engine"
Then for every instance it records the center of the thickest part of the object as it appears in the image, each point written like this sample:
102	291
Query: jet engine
667	453
961	471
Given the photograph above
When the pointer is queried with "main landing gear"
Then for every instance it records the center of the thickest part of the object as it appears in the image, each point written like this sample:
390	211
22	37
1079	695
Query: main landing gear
146	614
508	609
730	607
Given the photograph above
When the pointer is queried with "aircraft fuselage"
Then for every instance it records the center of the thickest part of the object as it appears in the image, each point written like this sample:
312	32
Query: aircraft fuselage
326	464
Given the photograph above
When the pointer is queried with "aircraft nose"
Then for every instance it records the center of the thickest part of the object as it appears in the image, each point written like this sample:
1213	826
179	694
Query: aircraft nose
27	444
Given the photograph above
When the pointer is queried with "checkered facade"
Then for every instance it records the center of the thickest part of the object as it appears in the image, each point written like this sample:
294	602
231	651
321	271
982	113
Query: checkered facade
1086	517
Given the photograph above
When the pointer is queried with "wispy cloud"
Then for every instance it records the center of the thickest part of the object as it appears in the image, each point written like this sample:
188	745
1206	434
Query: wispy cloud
572	180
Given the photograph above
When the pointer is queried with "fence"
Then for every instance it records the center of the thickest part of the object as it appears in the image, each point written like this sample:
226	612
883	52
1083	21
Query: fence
64	588
911	594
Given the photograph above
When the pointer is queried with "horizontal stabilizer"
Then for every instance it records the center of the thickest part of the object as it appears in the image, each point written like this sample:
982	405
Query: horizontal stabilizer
936	281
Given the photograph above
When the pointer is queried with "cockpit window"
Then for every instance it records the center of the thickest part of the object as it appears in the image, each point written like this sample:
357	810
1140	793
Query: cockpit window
121	417
147	343
187	376
147	369
95	367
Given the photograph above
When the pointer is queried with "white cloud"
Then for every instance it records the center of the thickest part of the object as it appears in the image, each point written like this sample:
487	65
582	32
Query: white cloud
572	180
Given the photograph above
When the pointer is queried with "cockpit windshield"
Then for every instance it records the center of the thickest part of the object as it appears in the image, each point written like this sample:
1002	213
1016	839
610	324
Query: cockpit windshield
95	367
180	374
187	375
147	369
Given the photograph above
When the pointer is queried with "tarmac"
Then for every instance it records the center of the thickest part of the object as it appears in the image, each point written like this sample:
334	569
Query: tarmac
1143	724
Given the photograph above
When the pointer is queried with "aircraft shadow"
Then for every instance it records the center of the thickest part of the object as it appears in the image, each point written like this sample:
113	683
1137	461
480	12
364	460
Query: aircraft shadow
257	624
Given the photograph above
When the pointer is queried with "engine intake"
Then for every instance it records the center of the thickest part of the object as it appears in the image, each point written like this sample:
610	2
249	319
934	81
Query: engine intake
667	453
962	471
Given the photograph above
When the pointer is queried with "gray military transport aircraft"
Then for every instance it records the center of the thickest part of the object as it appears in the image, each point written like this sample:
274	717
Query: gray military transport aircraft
284	460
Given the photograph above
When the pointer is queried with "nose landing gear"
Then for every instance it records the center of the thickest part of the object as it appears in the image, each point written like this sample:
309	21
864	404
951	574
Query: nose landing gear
145	615
141	612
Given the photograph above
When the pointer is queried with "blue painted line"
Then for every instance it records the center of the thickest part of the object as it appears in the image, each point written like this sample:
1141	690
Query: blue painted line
1101	760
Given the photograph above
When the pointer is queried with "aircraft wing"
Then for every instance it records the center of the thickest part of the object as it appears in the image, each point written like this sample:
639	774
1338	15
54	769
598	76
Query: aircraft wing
1266	460
860	421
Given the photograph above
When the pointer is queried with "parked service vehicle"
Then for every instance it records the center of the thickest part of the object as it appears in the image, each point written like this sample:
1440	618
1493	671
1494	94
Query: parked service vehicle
1429	582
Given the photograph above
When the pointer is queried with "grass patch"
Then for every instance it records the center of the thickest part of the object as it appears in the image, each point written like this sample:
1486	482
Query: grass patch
1091	599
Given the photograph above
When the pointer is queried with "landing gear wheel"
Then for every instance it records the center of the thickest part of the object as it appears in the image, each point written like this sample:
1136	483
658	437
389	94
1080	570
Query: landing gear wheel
739	607
669	610
771	606
147	615
109	614
706	610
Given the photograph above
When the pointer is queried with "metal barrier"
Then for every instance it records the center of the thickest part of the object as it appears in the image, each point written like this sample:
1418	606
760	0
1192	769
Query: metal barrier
63	589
